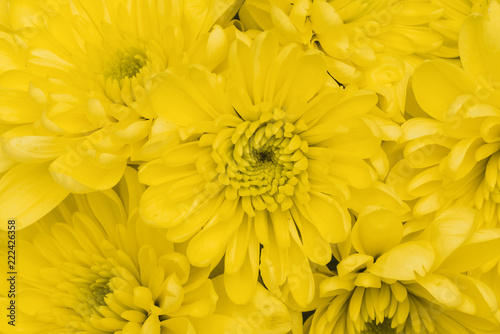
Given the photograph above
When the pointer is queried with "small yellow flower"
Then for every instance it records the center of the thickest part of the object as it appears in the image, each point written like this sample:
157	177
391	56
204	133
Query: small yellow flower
75	104
392	285
266	157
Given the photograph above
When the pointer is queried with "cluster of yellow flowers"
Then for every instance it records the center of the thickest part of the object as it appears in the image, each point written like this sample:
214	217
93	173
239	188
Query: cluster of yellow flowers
258	166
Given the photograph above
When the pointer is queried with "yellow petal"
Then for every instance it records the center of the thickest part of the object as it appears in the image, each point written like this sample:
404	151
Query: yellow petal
479	44
179	325
300	278
377	230
329	217
171	99
199	302
437	83
440	288
207	247
450	230
215	323
241	285
310	74
273	314
27	193
17	107
462	157
193	216
404	262
236	252
151	325
328	26
80	173
37	148
481	248
354	170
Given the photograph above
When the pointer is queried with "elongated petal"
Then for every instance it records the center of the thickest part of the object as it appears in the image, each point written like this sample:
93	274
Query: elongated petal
27	193
329	217
450	230
481	248
80	174
208	245
480	44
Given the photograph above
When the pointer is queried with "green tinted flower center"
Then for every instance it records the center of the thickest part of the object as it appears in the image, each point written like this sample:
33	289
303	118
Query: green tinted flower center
99	290
125	64
263	159
381	328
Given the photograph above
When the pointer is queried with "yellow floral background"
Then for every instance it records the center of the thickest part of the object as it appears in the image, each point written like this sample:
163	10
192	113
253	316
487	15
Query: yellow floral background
250	166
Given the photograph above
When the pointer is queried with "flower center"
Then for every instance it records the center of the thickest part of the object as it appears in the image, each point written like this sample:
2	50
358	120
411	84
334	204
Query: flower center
125	64
95	287
99	290
264	156
381	328
263	159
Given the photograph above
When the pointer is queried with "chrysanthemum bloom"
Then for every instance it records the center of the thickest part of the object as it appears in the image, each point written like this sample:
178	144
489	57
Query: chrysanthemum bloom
91	266
411	286
375	43
451	153
74	104
267	157
379	195
87	268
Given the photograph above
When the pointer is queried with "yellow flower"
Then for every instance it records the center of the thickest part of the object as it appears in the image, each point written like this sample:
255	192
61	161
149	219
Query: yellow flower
411	286
451	151
267	157
379	203
373	43
75	104
92	266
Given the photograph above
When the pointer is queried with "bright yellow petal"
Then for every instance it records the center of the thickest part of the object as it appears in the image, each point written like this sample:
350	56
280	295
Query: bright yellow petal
481	248
480	44
404	262
80	173
27	193
437	83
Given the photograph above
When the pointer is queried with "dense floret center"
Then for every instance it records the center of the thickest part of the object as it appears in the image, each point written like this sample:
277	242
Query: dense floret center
126	64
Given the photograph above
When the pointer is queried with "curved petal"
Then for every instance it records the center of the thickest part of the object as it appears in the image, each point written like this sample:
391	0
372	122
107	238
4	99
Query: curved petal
479	44
207	247
180	325
437	83
450	230
404	262
462	157
438	288
81	174
481	248
377	230
264	313
27	193
328	216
